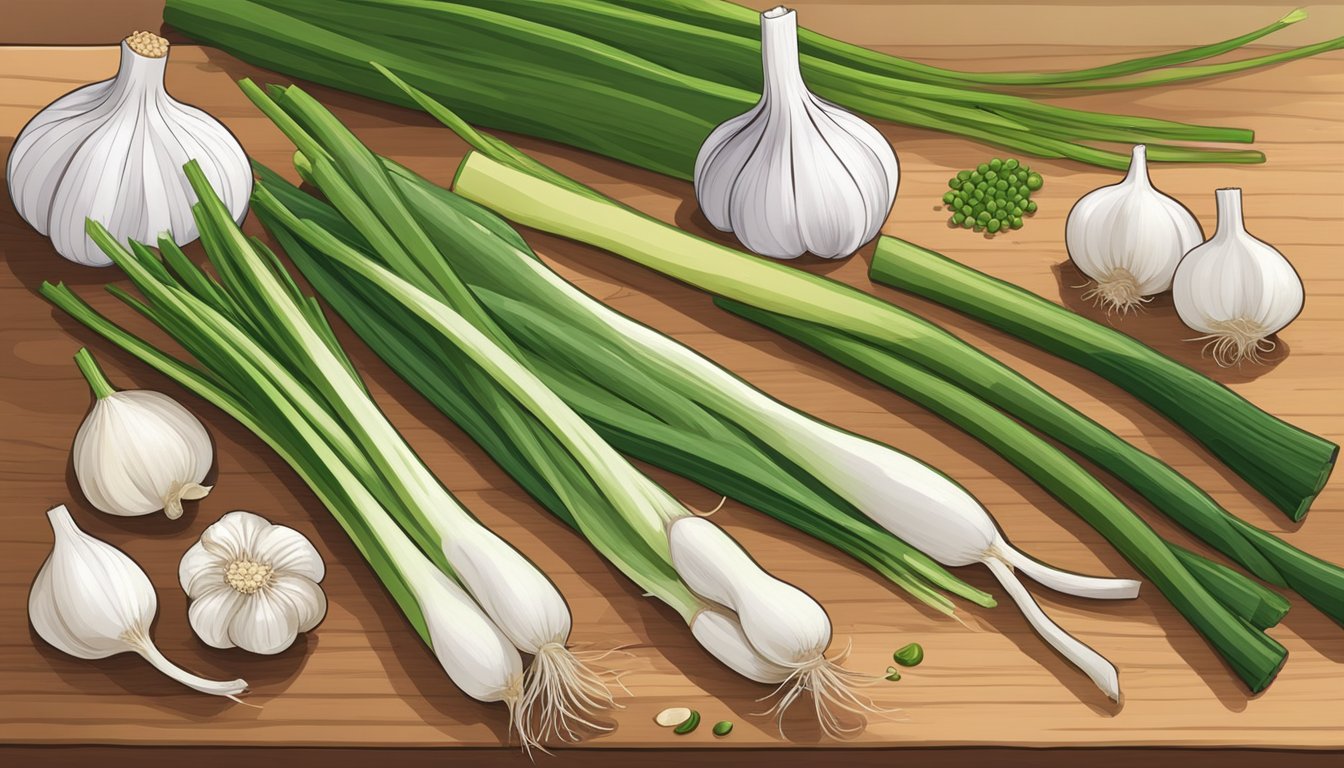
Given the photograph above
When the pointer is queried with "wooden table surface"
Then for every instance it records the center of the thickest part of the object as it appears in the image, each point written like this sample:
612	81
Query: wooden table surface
362	679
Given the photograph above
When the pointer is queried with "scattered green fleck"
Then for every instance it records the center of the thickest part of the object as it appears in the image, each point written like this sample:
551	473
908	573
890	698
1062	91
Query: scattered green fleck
723	728
893	674
690	724
912	654
994	196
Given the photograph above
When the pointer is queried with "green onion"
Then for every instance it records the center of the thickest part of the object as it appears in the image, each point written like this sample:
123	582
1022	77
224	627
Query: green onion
800	295
632	85
909	655
1288	465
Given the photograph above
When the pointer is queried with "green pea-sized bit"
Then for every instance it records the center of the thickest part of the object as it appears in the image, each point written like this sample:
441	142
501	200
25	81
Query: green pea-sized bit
958	217
993	225
963	175
954	183
992	205
1011	163
983	217
893	674
723	728
979	227
948	198
1031	206
689	724
910	655
1035	182
991	176
1017	222
1001	184
968	223
995	164
966	210
1017	210
982	168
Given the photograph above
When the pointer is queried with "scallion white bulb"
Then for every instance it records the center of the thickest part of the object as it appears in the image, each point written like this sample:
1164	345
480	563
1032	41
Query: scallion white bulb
1129	237
138	451
113	152
1235	289
795	173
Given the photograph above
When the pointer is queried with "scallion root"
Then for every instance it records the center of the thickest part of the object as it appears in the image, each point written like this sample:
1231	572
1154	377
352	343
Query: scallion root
561	696
1235	341
1117	291
833	695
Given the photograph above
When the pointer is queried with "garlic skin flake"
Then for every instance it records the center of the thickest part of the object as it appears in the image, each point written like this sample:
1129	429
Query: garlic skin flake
138	451
795	173
252	584
113	152
1235	289
92	601
1129	237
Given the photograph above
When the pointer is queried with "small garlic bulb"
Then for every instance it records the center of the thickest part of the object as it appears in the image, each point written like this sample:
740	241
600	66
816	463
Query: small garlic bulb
113	152
138	451
1235	289
1129	237
252	584
795	173
92	601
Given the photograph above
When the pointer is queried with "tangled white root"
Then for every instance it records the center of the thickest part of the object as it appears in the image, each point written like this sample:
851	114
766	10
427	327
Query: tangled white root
561	696
1116	291
833	695
1234	341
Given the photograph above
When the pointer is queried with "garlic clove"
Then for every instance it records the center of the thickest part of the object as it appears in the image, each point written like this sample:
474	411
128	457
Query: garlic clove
200	571
263	626
307	602
795	173
234	536
138	451
289	552
212	612
113	152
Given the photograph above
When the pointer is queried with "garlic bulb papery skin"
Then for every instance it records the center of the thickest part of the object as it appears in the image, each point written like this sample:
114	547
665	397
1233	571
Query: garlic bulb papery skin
1235	289
795	173
1129	237
138	451
92	601
252	584
113	152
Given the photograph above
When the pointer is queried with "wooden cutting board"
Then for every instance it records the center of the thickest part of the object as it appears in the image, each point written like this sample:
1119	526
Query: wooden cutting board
363	679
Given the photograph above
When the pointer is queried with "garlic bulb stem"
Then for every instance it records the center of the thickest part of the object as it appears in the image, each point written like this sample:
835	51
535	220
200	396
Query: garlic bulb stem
1236	289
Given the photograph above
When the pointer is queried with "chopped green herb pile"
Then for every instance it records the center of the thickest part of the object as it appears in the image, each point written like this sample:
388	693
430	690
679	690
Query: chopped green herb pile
994	196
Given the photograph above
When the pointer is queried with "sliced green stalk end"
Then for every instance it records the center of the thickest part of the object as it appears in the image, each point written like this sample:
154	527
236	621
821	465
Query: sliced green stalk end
1294	16
910	655
93	373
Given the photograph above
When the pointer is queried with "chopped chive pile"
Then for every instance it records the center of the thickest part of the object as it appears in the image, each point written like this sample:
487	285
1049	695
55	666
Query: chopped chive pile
992	197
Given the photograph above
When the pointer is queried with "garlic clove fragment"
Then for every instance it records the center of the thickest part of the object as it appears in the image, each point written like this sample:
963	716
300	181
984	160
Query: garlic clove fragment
113	152
1235	289
1129	237
138	451
795	173
253	584
91	601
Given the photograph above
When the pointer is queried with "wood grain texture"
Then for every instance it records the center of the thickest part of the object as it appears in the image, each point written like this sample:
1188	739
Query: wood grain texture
363	679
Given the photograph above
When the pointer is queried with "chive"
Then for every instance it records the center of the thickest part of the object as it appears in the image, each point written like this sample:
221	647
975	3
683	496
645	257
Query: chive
690	724
893	674
632	85
1286	464
909	655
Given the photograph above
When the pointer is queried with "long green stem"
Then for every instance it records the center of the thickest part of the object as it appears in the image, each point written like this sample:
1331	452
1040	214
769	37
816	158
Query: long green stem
1288	465
93	374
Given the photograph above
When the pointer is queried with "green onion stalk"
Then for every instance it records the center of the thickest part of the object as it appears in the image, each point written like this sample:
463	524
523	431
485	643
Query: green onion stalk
633	85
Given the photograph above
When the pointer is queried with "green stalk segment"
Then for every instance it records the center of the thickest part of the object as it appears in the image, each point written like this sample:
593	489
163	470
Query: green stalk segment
648	87
1288	465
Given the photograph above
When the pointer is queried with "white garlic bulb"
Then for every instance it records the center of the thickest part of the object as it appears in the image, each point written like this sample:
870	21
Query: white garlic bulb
1129	237
92	601
113	152
795	173
252	584
1235	289
138	451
